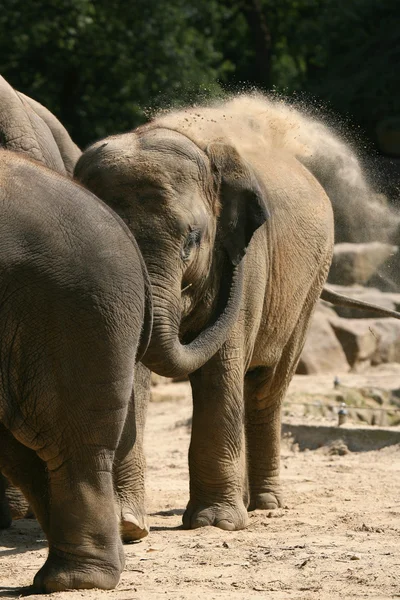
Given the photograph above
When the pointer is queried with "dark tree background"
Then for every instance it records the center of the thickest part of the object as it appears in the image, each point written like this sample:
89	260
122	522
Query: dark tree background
103	65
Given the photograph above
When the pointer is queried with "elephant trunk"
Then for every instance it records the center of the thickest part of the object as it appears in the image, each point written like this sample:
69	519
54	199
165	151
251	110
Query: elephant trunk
166	355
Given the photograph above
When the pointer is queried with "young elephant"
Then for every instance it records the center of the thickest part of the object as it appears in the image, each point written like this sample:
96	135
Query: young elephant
72	289
237	236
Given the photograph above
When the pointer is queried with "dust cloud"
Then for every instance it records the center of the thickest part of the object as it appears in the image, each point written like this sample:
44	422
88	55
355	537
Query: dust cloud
249	121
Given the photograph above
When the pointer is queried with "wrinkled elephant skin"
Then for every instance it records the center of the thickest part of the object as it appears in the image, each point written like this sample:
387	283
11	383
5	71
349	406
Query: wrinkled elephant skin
237	236
29	128
74	296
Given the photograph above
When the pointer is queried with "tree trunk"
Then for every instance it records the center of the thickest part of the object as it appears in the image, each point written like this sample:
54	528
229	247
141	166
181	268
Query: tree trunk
260	75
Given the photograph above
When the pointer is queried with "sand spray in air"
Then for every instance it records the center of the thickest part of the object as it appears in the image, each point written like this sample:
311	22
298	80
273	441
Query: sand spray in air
249	121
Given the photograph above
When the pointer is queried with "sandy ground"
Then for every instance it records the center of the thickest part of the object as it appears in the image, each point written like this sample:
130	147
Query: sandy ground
337	537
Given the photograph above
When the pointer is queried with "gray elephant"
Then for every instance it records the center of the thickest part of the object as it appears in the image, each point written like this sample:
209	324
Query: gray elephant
75	307
237	236
29	128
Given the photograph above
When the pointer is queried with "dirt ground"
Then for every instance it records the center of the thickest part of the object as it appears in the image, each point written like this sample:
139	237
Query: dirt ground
337	537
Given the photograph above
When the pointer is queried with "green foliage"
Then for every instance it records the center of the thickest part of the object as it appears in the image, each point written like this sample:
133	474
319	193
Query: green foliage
346	54
357	67
99	64
103	65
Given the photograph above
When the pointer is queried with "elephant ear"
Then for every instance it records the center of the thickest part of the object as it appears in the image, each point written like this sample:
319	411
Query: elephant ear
243	200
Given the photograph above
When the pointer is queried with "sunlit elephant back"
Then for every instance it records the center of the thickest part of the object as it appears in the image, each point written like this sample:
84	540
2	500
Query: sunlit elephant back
29	128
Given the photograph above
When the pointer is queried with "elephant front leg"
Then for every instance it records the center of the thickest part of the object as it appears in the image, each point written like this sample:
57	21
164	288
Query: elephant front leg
216	476
263	437
130	463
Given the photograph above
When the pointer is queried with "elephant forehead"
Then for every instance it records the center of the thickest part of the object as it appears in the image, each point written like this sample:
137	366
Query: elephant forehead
159	179
173	201
169	151
178	198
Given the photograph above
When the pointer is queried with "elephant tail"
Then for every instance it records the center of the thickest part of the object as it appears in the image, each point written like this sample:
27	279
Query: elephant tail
342	300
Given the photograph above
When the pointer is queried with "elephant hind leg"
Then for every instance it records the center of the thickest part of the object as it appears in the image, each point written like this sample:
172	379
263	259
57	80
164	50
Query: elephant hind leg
265	389
74	440
85	550
263	432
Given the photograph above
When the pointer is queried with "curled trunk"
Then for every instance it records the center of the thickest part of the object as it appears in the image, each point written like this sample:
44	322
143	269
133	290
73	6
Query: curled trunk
166	354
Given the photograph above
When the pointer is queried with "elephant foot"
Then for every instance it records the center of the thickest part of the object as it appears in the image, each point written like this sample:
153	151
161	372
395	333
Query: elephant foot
60	574
134	525
225	516
266	501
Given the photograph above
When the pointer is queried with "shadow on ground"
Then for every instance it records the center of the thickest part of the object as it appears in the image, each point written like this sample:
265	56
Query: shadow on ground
24	535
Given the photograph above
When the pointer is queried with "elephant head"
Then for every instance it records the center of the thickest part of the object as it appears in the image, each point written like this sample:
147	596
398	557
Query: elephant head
193	211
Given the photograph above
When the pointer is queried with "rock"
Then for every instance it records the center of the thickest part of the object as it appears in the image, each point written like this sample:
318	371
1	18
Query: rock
377	395
388	341
326	309
322	352
357	339
387	278
396	397
357	263
337	448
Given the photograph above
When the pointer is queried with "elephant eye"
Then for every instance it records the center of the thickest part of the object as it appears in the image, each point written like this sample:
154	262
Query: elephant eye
192	239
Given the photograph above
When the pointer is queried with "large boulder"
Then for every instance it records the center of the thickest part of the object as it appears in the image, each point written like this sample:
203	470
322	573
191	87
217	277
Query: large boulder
336	345
322	352
358	340
357	263
387	332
